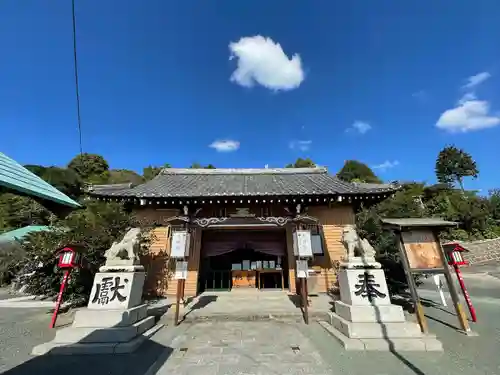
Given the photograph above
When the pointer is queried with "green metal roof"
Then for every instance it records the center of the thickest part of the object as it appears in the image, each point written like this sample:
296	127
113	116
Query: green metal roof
15	177
19	234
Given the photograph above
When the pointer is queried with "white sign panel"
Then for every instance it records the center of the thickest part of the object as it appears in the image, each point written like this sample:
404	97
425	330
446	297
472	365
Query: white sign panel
180	244
181	270
302	246
302	269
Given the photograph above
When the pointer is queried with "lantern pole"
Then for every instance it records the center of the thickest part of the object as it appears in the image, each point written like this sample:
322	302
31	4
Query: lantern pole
460	278
177	301
59	297
462	318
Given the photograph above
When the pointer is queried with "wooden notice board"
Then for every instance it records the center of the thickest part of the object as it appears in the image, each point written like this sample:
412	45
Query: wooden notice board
422	250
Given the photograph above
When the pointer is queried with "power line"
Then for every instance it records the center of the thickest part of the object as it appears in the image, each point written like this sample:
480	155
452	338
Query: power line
76	77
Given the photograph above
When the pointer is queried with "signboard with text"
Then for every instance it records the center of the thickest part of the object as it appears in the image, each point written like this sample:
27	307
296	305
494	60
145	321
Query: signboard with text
422	250
181	270
302	269
302	245
180	244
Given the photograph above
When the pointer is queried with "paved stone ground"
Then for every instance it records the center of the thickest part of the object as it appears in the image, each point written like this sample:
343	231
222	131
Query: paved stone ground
22	329
263	347
244	348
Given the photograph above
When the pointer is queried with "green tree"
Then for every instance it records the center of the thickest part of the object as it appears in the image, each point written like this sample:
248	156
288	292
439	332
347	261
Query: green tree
91	168
302	163
17	211
12	257
405	203
94	228
119	176
355	171
199	166
63	179
494	198
151	172
36	169
453	164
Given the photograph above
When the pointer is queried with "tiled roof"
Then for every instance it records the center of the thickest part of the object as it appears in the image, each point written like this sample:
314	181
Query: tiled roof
15	177
417	222
109	187
187	183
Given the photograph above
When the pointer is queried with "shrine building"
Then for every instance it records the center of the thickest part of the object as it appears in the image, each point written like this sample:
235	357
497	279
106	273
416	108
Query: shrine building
241	223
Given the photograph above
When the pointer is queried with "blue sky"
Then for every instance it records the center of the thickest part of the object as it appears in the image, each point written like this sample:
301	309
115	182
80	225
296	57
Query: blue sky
385	82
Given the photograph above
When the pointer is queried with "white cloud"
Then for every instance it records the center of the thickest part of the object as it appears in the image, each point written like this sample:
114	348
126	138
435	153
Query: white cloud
225	145
386	165
468	96
262	61
300	145
360	126
468	115
476	80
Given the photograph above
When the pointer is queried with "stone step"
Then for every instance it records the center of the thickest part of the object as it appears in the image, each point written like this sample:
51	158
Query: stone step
424	343
360	313
58	348
362	330
103	335
289	316
87	318
416	344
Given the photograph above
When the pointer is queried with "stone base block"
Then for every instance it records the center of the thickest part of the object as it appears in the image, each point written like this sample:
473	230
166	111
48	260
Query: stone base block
360	313
122	268
103	335
424	343
365	287
384	330
58	348
116	290
109	318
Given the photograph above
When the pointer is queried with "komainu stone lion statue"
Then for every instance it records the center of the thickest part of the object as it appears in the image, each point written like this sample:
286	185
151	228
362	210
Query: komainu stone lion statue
359	251
125	250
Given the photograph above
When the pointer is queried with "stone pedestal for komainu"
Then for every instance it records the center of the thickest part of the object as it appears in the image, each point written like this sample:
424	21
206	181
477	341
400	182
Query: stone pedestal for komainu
115	320
364	317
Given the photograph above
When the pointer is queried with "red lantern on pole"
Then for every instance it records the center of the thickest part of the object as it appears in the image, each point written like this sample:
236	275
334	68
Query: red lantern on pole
454	254
68	258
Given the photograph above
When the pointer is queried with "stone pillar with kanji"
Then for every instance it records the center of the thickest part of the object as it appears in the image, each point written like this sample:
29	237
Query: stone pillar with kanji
364	317
116	319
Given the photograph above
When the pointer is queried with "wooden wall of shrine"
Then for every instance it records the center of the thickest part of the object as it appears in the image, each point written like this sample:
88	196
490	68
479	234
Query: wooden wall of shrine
160	270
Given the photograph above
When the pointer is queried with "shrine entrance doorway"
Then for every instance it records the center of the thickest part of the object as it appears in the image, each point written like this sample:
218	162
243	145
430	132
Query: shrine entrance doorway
243	259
